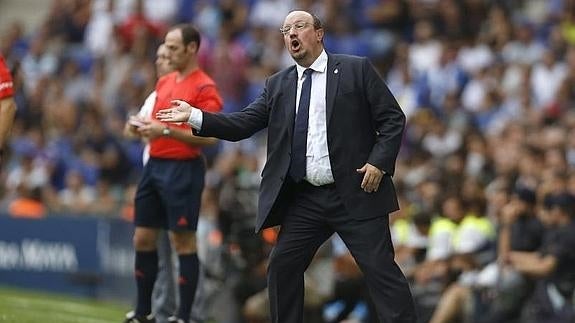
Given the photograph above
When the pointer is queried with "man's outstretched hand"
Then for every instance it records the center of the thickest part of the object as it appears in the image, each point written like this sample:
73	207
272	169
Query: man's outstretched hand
179	112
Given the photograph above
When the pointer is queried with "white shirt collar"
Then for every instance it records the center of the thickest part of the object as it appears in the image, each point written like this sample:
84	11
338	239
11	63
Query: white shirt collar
319	65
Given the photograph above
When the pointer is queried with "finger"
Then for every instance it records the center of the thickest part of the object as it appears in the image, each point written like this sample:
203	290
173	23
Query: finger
162	114
371	184
364	182
165	118
165	115
377	184
376	174
375	178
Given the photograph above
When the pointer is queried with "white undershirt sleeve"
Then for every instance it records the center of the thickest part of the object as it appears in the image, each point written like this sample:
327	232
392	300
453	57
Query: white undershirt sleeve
196	119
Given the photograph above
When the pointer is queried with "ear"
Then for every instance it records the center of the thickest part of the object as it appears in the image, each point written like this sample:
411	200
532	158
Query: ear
319	35
193	46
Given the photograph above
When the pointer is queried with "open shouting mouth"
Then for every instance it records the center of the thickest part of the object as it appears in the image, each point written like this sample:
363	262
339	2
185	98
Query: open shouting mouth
295	45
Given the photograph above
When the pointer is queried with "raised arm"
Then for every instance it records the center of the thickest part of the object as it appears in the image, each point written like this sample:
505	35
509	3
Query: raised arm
228	126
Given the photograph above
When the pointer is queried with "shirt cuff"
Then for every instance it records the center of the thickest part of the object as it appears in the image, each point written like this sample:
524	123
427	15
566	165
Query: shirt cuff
196	119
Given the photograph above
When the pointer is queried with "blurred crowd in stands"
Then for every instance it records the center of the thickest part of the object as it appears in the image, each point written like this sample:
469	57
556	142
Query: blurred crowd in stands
485	175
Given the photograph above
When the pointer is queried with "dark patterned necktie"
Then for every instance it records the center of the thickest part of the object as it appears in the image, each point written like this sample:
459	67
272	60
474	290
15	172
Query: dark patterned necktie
299	140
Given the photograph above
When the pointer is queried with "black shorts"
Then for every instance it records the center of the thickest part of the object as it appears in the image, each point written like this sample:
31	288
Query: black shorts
169	194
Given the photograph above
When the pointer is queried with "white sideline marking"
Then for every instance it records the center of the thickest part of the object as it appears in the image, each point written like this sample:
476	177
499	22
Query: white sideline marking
73	312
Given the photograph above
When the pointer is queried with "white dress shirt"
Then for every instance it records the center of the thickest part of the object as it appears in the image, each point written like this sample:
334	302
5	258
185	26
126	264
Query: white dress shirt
318	167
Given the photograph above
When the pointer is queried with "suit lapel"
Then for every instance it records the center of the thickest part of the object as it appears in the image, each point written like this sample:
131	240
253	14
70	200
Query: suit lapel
332	80
289	89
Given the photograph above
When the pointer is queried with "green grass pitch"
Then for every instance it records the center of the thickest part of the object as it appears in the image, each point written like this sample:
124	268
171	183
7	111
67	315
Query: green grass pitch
24	306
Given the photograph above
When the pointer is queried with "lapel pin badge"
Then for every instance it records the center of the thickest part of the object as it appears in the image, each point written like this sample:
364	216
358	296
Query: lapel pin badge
335	71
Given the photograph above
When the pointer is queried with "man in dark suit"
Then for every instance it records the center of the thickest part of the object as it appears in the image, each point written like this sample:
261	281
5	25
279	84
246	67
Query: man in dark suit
334	132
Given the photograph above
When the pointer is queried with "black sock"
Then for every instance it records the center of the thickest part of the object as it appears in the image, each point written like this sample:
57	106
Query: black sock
146	270
188	281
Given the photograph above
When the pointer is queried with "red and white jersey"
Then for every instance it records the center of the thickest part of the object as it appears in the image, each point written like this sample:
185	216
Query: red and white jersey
6	84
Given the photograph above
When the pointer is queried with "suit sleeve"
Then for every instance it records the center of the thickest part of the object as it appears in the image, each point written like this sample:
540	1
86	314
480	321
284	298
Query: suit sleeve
238	125
388	119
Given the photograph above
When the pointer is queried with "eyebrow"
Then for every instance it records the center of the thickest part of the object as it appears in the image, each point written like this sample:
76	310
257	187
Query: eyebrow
298	21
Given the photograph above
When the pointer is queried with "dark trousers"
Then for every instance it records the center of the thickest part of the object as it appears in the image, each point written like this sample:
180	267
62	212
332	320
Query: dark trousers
315	214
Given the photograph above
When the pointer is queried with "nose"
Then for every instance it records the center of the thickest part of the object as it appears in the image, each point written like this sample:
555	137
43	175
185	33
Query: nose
292	32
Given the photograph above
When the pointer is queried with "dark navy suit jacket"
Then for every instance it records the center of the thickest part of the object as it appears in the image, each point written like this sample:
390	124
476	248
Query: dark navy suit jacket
364	125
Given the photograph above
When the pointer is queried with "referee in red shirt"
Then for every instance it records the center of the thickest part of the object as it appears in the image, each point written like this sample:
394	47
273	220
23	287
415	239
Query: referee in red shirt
170	189
7	105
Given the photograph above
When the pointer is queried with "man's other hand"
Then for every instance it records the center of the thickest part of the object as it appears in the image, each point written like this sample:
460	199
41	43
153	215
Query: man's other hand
371	178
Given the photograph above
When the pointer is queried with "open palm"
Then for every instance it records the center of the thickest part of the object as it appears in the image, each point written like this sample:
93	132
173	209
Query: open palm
179	112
